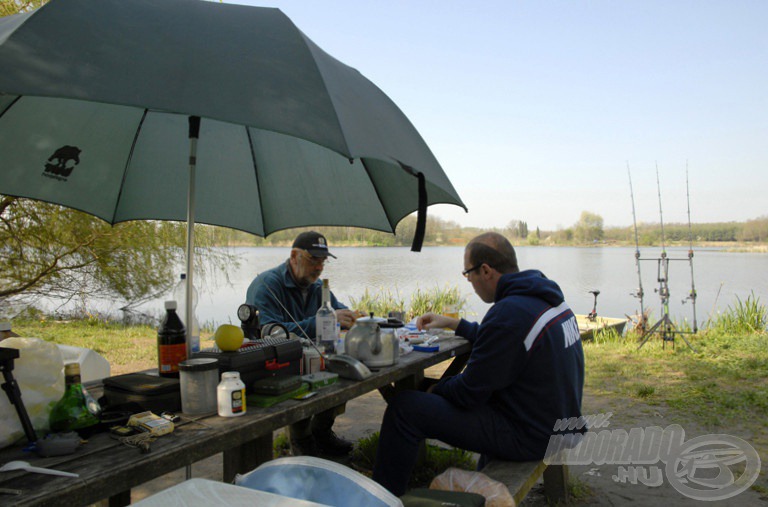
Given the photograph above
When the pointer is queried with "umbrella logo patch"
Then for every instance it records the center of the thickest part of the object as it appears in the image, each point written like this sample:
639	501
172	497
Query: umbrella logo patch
60	165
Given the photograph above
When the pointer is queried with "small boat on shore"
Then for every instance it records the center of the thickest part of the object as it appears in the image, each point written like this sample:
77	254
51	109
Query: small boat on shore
588	326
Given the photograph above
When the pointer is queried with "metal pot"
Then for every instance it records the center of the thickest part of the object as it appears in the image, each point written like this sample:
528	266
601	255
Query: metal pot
373	341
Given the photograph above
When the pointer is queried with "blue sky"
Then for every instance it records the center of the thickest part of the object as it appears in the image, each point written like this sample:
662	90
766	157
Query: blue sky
535	108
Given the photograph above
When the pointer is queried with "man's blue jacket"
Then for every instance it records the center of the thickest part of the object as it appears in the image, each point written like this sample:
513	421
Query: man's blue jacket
302	304
526	363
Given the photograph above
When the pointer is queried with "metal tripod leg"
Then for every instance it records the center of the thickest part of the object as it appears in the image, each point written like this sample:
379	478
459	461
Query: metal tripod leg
650	332
665	320
687	343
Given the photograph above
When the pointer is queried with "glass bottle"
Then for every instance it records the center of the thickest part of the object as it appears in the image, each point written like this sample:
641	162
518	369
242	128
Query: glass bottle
71	412
325	322
171	343
180	295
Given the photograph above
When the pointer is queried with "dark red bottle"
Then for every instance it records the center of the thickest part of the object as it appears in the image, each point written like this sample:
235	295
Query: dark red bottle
171	342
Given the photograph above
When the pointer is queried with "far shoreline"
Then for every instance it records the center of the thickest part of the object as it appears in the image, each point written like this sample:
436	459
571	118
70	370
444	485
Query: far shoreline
728	246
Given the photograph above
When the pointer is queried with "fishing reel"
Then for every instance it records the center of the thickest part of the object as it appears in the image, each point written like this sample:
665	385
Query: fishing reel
275	330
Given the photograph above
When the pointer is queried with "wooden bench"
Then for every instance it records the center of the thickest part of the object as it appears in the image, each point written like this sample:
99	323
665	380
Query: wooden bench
520	476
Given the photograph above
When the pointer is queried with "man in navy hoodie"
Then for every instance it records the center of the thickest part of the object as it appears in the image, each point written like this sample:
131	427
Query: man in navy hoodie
525	371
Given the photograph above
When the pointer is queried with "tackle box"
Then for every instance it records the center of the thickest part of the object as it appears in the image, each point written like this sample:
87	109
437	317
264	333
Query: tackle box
273	386
150	392
259	359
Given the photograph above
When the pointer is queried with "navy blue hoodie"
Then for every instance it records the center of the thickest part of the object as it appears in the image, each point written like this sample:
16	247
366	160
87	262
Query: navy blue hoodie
526	361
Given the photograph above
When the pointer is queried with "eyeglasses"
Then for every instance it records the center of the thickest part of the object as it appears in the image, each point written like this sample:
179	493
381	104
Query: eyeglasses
316	261
466	272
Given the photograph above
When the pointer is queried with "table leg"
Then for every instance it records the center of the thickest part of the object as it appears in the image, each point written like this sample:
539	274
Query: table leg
412	382
121	499
456	365
244	458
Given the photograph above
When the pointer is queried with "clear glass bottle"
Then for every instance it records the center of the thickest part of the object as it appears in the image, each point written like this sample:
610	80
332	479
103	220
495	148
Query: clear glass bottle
71	412
171	343
325	322
180	295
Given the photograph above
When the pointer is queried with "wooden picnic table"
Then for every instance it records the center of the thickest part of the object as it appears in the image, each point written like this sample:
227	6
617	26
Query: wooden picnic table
109	469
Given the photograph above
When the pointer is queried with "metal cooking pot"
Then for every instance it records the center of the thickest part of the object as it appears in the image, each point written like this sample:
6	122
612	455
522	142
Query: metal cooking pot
373	341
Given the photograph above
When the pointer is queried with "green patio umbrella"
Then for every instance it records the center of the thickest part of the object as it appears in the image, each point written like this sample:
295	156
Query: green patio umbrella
201	112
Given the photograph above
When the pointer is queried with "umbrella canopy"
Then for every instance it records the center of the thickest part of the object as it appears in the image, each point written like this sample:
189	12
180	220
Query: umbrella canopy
105	103
95	97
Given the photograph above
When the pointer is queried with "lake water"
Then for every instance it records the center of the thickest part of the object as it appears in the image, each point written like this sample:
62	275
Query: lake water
720	277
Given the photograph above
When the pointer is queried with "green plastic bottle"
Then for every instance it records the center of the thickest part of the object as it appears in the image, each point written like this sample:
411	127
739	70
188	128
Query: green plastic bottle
71	412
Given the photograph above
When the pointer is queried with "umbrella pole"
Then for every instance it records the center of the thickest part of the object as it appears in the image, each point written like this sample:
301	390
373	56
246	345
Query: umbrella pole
194	132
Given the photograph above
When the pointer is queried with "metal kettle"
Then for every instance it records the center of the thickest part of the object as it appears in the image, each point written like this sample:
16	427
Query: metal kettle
373	341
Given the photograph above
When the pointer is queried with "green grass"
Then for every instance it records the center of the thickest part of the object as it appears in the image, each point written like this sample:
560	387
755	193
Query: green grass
579	490
436	460
422	301
743	317
435	300
380	303
281	445
722	386
725	381
128	348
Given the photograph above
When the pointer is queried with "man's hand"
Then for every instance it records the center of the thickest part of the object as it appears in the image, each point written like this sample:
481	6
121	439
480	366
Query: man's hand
432	321
346	318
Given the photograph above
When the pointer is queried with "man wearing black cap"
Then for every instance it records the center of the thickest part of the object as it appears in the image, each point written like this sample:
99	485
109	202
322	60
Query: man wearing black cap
296	284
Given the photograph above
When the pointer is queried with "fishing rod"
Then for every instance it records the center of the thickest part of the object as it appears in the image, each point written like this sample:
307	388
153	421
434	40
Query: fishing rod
665	326
692	295
293	319
639	293
662	271
661	213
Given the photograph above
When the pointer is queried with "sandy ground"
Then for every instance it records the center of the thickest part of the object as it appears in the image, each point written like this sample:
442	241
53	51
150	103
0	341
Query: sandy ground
598	483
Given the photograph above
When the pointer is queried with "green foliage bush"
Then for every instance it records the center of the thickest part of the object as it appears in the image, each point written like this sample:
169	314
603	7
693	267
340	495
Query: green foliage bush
422	301
748	316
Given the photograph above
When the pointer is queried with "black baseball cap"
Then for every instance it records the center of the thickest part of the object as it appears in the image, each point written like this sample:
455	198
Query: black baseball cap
314	243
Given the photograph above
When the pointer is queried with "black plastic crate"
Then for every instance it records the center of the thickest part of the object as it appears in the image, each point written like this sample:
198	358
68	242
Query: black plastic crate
267	357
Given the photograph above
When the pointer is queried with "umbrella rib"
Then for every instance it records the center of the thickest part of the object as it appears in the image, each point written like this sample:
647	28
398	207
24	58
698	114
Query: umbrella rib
378	195
128	164
258	183
309	45
10	105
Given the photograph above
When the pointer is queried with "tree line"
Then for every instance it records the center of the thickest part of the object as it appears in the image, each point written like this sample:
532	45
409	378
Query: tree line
589	229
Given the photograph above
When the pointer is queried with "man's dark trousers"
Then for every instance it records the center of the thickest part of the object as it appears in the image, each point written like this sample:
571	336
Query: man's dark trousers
412	416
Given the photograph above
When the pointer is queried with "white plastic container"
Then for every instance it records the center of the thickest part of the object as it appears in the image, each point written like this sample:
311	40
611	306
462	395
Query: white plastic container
93	366
311	361
231	395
